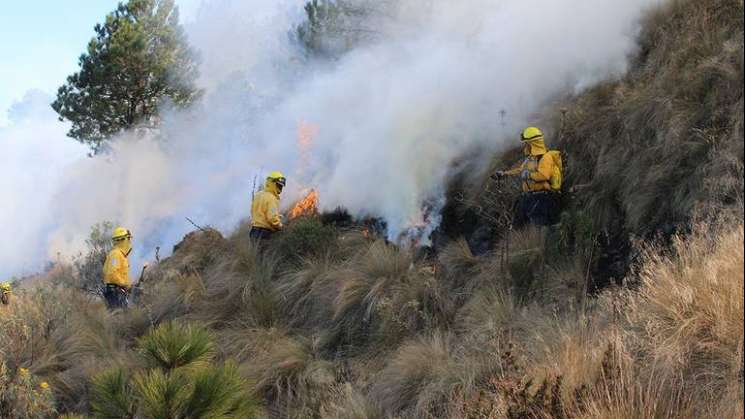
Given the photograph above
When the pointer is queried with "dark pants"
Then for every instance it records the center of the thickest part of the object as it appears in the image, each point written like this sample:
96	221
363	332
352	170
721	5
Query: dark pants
261	234
538	208
115	296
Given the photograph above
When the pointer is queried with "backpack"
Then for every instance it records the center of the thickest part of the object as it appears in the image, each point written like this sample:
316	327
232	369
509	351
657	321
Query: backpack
556	177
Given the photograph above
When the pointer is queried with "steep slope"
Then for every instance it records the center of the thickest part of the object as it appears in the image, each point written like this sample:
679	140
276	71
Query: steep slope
665	143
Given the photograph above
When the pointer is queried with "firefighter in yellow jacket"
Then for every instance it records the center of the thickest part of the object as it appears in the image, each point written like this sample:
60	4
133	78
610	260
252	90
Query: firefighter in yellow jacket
541	177
5	290
116	270
265	216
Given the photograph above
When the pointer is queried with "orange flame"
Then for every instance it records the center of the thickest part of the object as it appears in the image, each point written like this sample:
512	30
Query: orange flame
306	132
306	206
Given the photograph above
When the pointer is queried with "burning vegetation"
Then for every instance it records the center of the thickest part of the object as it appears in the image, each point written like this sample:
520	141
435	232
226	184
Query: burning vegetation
306	206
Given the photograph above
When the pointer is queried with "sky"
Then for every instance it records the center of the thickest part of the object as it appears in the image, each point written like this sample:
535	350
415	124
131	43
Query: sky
41	40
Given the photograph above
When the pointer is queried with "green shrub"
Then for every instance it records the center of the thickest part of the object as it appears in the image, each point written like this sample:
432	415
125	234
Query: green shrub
162	394
183	383
173	345
305	237
219	392
112	395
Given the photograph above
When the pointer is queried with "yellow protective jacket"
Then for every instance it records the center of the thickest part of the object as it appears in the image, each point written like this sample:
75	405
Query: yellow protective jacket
116	267
265	208
538	164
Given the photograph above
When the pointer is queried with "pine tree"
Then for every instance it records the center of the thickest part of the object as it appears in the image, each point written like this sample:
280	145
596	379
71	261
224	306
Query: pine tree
138	59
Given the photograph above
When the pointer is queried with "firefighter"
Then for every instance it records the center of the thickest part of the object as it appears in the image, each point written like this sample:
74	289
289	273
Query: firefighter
5	291
265	216
541	175
116	270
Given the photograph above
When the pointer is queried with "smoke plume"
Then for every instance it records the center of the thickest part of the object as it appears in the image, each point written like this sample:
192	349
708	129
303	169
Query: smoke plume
390	115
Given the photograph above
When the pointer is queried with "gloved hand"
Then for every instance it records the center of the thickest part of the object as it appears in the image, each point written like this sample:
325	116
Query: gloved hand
497	175
525	174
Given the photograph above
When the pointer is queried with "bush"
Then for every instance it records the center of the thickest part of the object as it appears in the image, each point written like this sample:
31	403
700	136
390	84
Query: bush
303	238
23	395
172	345
89	267
382	295
183	383
240	287
421	378
293	377
112	395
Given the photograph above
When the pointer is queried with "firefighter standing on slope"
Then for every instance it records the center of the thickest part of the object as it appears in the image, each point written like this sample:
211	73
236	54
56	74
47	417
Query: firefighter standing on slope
541	181
116	270
265	216
5	290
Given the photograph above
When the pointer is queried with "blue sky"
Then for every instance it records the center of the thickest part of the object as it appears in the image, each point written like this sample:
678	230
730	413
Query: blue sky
41	40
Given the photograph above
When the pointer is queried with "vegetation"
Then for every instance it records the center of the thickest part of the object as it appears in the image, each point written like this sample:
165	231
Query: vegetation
138	59
328	321
90	266
665	143
334	27
181	382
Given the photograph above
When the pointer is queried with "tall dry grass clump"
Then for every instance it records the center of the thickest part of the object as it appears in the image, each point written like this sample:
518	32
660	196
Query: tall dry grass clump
381	295
687	319
423	376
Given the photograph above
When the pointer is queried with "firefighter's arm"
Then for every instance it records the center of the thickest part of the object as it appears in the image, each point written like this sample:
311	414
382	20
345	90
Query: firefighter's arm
545	169
109	269
514	171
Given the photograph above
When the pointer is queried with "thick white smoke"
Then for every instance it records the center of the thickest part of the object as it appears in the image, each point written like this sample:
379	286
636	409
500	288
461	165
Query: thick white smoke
391	116
34	154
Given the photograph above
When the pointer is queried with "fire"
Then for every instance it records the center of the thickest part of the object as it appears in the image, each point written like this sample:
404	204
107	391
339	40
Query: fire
306	206
306	133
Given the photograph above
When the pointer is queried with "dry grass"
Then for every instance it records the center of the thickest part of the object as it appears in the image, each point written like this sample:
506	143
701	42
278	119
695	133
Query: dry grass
382	295
671	128
421	378
307	294
293	377
676	342
689	315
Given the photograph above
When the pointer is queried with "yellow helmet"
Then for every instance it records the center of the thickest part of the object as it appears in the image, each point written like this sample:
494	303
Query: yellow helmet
278	178
121	233
275	175
531	133
5	286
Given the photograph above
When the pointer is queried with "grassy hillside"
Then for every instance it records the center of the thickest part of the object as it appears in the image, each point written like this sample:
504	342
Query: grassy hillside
332	322
666	141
